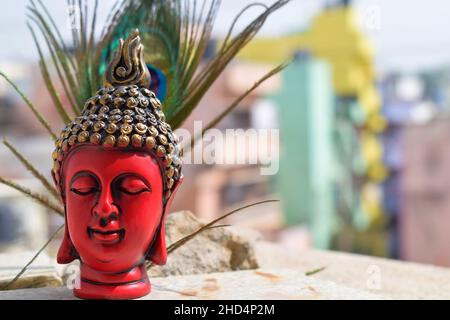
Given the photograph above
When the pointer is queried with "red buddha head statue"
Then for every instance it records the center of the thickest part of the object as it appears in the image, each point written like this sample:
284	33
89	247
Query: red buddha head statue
117	167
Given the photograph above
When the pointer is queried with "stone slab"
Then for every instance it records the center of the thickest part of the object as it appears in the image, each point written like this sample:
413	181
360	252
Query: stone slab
261	284
341	276
392	279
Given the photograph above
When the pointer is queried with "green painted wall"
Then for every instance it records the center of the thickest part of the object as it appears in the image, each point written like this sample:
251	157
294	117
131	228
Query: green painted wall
305	181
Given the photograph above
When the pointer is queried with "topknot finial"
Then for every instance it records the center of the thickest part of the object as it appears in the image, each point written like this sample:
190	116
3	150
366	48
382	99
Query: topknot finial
128	66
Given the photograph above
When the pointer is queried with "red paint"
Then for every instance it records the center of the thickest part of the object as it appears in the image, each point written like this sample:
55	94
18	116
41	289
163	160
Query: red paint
114	207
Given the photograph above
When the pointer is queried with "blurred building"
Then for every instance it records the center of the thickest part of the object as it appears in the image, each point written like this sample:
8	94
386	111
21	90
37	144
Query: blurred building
425	193
416	144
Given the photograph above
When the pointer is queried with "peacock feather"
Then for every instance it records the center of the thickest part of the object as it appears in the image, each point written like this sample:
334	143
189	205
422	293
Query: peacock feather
175	34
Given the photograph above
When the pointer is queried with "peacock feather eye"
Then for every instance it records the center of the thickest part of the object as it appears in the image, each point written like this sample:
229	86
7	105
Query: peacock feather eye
158	83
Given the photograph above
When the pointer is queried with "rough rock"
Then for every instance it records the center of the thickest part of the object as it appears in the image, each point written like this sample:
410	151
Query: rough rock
216	250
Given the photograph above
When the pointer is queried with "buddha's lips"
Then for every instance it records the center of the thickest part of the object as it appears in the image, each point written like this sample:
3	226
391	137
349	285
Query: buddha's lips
106	236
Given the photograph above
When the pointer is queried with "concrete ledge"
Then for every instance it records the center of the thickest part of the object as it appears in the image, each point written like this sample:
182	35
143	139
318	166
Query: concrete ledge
286	274
263	284
388	278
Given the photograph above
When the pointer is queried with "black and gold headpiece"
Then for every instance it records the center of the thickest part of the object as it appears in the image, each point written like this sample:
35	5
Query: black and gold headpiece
124	114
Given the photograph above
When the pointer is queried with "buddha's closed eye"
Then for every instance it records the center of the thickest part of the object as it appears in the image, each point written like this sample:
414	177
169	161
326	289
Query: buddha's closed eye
132	185
84	185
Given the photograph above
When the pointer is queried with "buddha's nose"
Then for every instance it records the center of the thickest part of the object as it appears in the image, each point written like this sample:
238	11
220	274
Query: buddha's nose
105	210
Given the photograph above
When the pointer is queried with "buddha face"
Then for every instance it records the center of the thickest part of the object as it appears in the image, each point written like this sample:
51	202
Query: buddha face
114	203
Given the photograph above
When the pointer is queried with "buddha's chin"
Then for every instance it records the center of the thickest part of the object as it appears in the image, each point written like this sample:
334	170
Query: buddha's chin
108	264
110	258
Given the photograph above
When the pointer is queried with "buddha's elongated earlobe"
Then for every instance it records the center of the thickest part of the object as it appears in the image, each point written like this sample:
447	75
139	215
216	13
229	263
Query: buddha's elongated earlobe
158	252
66	251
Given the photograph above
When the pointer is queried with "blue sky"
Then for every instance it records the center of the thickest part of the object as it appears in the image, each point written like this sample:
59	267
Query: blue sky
409	35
